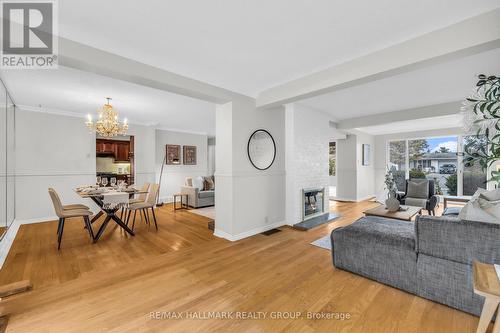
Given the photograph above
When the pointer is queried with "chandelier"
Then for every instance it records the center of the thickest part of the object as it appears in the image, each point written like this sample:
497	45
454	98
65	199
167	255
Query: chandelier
107	125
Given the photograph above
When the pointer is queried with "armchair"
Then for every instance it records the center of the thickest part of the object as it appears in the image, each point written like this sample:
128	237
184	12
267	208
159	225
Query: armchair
420	193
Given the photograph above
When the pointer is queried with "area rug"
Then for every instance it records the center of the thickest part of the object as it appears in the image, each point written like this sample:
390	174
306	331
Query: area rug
324	243
205	211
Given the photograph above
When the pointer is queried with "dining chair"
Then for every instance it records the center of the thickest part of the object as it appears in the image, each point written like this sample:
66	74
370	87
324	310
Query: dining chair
64	211
141	198
144	207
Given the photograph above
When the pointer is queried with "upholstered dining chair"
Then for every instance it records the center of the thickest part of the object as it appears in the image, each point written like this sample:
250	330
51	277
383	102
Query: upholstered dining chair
67	211
141	198
144	207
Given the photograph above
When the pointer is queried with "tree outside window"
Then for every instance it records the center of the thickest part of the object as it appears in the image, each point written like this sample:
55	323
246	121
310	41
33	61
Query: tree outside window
332	156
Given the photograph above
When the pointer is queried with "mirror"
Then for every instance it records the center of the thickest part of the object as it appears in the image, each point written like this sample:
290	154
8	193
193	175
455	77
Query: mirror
261	149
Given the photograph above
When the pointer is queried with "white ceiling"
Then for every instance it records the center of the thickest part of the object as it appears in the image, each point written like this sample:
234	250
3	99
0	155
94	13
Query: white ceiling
431	123
447	82
249	46
72	91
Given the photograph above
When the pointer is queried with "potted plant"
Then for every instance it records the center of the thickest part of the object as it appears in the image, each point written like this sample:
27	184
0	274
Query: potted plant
392	202
482	117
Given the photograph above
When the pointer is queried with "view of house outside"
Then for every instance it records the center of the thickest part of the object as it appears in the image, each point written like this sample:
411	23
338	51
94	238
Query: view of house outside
434	158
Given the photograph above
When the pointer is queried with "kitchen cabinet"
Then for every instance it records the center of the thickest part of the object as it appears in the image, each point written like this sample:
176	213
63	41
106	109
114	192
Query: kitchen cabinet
105	147
119	150
122	151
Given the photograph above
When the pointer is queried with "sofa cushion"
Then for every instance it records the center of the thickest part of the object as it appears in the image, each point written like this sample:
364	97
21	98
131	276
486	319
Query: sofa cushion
378	248
493	195
473	211
198	182
416	202
206	194
448	237
490	207
418	189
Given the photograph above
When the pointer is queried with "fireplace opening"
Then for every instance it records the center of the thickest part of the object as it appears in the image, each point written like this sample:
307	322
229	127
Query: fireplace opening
313	202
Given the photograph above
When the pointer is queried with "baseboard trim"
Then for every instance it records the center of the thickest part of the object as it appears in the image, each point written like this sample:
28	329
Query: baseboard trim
233	238
167	199
38	220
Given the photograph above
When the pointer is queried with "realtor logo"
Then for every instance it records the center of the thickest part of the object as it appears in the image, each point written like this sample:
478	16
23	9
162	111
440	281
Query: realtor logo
29	36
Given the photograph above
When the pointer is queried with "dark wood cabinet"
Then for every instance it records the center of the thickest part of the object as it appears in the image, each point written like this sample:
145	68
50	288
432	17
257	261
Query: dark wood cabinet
122	151
119	150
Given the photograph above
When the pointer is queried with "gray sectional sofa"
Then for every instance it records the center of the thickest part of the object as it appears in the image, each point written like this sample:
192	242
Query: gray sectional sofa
431	257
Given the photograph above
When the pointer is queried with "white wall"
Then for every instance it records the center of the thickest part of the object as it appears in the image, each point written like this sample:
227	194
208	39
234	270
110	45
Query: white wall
355	181
248	201
174	175
365	175
307	139
346	168
58	151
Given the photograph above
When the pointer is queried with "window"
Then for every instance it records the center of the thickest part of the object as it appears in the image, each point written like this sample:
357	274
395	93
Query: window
397	163
436	159
332	158
474	175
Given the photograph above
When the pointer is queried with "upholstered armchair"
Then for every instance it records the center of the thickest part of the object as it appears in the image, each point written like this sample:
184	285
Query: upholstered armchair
420	193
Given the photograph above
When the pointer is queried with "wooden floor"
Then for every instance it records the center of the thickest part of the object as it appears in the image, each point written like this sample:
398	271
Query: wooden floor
114	285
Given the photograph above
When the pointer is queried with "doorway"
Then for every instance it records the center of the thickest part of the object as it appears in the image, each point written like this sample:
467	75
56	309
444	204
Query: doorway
332	169
115	160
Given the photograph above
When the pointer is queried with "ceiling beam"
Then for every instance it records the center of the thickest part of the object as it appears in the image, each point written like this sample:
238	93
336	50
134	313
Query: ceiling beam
429	111
89	59
471	36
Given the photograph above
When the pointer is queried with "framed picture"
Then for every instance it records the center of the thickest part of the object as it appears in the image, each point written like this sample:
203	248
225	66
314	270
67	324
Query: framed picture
366	154
173	154
189	155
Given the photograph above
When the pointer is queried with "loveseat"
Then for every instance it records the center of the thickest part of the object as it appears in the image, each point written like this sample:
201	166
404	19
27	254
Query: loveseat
431	257
199	193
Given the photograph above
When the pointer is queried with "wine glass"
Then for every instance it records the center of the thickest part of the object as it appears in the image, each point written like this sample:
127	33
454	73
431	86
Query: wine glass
98	180
104	181
113	181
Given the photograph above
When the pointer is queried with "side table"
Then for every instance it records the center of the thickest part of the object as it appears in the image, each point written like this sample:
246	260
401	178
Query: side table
486	284
184	205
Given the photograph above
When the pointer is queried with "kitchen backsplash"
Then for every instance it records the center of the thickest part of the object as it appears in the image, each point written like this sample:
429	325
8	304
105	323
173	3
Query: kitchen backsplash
107	164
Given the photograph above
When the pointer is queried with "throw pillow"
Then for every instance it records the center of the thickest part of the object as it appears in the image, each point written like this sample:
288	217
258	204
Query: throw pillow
472	211
198	183
476	194
418	189
490	207
209	184
493	195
